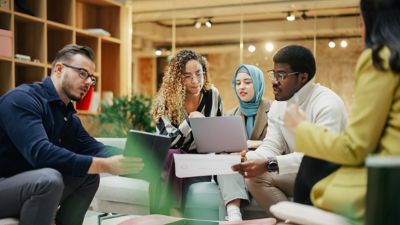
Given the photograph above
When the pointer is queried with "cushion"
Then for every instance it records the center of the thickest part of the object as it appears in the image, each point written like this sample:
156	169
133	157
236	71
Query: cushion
124	190
8	221
305	214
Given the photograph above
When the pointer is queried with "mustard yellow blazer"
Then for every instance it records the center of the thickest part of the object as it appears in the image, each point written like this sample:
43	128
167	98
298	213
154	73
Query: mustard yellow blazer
374	127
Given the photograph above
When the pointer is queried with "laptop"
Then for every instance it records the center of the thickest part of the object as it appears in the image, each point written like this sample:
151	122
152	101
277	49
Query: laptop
219	134
152	148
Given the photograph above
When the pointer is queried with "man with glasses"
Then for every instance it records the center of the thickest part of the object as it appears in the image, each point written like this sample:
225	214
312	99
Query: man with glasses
272	168
49	164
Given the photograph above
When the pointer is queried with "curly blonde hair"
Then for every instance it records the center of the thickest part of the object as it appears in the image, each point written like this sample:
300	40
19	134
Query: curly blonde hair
170	99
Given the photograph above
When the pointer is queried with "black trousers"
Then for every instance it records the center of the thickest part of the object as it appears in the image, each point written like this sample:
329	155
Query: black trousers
310	172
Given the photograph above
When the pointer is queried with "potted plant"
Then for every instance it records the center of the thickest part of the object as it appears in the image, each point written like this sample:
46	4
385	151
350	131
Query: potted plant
123	114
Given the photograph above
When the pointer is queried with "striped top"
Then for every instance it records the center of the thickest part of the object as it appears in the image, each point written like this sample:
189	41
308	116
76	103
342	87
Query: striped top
181	135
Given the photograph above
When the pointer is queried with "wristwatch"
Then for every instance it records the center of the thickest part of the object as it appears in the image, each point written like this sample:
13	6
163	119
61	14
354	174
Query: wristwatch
272	165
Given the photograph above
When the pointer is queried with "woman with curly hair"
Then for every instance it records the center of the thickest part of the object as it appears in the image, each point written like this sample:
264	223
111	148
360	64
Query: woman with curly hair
185	93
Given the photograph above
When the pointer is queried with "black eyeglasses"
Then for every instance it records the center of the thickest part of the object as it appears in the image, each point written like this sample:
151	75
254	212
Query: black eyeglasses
83	73
279	76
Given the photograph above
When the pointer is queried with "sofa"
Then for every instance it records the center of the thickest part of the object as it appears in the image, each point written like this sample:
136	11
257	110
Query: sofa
9	221
118	194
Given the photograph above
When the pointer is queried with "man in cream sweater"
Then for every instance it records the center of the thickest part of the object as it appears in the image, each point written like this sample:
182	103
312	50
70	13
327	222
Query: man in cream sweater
272	168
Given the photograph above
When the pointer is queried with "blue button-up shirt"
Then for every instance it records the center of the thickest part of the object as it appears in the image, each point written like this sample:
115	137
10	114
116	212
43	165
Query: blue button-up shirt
38	130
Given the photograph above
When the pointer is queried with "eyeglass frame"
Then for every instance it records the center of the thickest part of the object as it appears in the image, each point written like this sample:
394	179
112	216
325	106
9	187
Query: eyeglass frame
84	76
188	77
271	75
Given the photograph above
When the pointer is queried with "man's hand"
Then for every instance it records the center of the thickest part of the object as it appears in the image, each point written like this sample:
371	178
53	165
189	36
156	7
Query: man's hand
116	165
251	168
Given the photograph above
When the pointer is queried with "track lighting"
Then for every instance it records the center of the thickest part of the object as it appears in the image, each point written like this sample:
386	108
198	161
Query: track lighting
304	15
197	24
208	23
158	52
290	17
343	44
331	44
269	47
251	48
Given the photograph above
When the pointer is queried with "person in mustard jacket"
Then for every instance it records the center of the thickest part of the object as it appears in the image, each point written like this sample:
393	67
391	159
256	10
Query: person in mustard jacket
374	127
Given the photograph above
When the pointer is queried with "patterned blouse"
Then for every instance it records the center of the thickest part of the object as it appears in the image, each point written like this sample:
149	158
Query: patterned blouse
181	135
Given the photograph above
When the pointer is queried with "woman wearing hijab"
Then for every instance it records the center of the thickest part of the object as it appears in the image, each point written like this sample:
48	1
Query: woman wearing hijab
248	83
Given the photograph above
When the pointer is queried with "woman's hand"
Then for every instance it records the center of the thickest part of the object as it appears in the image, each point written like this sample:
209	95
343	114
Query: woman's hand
293	117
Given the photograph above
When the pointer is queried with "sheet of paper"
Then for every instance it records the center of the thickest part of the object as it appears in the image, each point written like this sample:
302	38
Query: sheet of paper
195	165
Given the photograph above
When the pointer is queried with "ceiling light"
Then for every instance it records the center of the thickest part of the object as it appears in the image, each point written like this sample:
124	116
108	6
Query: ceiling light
208	23
331	44
197	24
290	17
304	15
344	44
158	52
269	47
251	48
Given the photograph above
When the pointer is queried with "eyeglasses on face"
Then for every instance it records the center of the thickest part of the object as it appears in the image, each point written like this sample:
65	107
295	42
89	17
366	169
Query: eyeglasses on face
190	77
279	76
83	73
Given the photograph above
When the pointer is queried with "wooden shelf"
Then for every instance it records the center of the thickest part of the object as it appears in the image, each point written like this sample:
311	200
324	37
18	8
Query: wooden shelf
27	74
31	8
56	25
5	21
111	39
4	10
2	58
7	82
29	63
57	38
60	11
40	28
29	38
91	14
28	18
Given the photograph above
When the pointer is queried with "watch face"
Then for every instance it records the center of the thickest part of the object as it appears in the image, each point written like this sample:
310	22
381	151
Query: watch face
272	165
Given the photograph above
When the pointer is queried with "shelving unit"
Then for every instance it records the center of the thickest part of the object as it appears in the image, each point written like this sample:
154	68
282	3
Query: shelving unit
42	27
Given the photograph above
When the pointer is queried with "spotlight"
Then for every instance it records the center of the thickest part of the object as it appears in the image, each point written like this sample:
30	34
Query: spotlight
269	47
343	44
208	23
197	24
158	52
251	48
331	44
290	17
304	15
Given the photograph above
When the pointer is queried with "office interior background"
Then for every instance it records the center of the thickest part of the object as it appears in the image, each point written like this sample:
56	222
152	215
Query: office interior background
133	40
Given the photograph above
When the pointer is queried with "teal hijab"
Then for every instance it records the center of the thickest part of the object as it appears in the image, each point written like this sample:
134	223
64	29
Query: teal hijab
249	109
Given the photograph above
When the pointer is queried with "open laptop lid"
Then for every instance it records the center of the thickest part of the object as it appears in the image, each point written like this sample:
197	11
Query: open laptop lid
152	148
219	134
